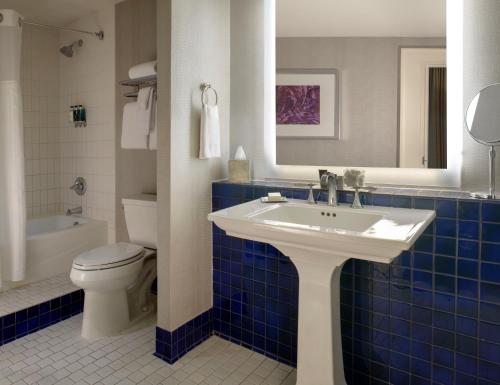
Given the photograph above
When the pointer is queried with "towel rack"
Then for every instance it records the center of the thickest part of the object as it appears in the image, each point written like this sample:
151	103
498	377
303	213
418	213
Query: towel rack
146	81
205	87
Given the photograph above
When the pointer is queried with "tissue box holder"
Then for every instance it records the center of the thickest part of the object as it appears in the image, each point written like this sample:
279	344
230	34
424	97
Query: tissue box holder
239	171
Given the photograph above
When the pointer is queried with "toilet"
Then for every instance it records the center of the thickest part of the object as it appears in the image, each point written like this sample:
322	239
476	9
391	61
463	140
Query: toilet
117	278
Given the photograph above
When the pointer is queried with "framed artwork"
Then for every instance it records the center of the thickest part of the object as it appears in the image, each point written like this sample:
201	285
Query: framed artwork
307	103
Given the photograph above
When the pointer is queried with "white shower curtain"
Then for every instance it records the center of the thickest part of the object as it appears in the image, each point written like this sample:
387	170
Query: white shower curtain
12	193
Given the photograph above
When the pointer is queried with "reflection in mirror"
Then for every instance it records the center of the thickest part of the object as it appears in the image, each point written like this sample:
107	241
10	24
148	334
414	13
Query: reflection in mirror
384	104
482	121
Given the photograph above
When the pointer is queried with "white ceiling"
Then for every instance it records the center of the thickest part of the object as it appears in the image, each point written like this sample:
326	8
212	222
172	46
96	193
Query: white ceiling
403	18
59	12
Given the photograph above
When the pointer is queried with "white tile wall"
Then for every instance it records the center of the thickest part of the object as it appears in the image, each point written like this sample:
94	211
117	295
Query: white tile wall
88	78
40	84
56	152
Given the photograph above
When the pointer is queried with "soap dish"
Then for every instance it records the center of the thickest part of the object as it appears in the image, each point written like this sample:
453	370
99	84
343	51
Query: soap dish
266	200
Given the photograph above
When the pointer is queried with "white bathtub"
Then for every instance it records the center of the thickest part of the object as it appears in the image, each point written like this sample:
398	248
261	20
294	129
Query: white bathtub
53	243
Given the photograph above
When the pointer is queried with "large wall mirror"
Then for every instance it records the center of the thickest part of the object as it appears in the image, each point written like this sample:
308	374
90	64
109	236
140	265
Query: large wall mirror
361	83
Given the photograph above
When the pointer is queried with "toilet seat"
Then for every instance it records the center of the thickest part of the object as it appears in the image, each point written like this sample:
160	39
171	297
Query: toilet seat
109	257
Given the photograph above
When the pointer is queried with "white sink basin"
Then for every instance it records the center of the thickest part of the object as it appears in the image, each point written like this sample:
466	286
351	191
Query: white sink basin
373	233
319	239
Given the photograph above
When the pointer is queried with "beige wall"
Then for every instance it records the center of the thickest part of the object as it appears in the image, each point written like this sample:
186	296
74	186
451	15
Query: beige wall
88	78
481	68
199	52
135	44
40	86
369	82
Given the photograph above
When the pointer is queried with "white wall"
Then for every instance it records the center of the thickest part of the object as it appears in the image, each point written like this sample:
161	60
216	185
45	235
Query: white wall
200	52
481	68
40	85
88	78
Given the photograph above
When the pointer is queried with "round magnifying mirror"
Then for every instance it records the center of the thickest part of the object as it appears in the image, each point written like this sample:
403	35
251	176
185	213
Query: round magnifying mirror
483	116
482	121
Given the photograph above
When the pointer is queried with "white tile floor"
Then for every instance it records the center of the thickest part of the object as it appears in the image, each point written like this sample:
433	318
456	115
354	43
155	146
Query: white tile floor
57	355
35	293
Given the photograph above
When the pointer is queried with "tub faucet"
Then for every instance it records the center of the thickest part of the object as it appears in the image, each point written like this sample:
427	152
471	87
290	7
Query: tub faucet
330	179
74	211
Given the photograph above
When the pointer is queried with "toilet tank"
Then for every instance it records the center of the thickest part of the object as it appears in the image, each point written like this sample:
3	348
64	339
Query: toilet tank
141	219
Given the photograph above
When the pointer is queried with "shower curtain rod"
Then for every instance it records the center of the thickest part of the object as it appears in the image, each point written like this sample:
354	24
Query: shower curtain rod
100	34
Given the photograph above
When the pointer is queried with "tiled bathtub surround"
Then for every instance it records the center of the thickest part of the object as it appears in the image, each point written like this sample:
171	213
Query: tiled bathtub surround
170	346
40	316
431	317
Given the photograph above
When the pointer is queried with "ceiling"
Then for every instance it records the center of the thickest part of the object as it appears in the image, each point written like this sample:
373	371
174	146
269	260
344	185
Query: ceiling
58	12
396	18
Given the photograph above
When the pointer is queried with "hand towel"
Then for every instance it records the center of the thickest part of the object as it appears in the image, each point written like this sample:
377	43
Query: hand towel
143	69
153	135
145	98
134	135
210	132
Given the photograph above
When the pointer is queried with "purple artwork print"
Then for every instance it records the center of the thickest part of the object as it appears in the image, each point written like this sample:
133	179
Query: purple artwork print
298	105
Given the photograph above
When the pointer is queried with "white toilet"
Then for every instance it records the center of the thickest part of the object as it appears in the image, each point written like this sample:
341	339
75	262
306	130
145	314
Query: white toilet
117	278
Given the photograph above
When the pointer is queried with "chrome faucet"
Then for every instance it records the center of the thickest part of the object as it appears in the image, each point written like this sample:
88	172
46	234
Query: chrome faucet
74	211
330	179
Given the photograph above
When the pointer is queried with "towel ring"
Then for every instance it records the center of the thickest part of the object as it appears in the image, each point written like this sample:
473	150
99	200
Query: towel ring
205	87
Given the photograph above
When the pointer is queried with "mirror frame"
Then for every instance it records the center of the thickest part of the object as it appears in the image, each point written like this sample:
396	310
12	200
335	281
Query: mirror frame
265	166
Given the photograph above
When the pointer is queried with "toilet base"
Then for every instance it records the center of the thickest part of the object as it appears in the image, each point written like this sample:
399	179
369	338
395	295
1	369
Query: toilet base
104	313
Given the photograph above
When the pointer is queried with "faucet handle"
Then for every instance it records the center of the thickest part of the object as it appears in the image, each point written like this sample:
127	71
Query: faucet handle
310	198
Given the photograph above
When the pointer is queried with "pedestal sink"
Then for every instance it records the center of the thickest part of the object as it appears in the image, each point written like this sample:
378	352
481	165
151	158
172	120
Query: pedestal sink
319	239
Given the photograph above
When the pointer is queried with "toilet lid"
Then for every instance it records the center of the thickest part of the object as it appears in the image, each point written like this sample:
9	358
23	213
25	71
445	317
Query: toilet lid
109	256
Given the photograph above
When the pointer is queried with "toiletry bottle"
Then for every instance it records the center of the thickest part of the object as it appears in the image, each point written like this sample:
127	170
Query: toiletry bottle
72	114
83	114
79	114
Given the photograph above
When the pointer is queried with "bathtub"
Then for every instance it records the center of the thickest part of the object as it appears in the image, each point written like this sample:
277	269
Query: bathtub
53	243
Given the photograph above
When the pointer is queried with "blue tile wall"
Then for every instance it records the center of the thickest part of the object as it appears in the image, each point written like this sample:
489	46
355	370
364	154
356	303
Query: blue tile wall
37	317
170	346
431	317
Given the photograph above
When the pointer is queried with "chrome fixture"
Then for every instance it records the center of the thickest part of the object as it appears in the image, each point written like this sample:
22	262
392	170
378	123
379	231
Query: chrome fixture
481	122
68	51
74	211
355	179
205	87
330	180
310	198
99	35
80	186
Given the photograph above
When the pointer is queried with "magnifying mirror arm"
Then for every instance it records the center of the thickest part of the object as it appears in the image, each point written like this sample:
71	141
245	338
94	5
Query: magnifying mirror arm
493	154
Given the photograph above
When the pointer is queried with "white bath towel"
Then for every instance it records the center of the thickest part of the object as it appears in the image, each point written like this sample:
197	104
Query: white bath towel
143	69
210	132
134	134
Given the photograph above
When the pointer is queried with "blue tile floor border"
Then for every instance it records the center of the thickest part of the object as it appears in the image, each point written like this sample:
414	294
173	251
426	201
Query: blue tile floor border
27	321
170	346
431	317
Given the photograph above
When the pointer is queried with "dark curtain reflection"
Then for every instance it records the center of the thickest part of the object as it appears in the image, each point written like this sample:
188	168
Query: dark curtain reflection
437	118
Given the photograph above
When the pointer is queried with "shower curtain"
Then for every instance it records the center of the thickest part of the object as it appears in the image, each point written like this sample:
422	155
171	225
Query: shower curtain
12	193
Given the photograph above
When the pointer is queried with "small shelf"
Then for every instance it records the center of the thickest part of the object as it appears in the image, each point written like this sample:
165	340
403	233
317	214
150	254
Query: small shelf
146	81
140	82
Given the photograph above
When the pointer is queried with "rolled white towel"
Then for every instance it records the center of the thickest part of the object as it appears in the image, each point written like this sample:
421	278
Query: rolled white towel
143	69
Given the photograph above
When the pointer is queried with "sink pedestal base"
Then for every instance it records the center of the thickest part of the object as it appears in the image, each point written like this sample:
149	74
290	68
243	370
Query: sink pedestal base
319	355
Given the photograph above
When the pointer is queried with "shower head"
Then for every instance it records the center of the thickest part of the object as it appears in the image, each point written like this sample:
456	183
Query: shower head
67	50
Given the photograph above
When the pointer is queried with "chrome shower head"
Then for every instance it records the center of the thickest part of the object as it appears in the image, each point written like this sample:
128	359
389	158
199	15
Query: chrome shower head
68	51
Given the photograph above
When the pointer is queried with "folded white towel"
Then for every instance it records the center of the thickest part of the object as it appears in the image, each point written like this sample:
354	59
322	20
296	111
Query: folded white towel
145	98
135	130
210	132
143	69
153	135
